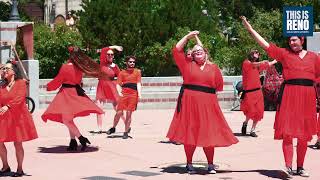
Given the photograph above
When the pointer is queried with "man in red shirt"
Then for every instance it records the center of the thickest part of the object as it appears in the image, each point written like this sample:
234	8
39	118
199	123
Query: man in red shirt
129	89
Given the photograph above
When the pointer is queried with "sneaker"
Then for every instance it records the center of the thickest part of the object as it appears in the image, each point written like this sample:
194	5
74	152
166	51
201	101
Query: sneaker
302	172
317	145
288	172
111	131
253	134
125	135
211	169
244	128
190	169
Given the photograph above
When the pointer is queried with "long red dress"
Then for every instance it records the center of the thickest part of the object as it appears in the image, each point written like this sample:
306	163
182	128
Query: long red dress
297	116
106	89
252	105
16	125
200	121
67	101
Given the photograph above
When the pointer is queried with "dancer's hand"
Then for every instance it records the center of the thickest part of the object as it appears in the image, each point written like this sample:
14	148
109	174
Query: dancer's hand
3	110
119	48
245	22
192	34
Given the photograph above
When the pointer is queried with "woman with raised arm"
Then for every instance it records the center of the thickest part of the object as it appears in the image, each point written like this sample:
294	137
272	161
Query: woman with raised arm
198	120
252	103
106	89
296	115
71	100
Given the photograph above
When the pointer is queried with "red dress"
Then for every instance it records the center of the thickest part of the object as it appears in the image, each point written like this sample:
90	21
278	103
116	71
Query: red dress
67	101
106	89
297	116
200	121
16	125
253	103
129	100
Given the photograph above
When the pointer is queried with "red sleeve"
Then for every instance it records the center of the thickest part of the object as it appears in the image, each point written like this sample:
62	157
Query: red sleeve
179	58
263	66
20	92
246	65
139	76
275	52
57	81
117	70
317	67
120	78
218	78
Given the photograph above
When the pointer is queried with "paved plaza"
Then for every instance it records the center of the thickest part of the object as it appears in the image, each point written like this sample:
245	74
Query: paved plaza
148	155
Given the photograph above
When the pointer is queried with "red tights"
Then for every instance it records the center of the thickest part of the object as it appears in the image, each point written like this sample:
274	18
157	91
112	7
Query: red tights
287	147
189	150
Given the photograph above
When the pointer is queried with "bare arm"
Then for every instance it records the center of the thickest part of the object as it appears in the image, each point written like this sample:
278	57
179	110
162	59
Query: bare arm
259	39
139	90
119	89
198	41
180	45
118	48
272	62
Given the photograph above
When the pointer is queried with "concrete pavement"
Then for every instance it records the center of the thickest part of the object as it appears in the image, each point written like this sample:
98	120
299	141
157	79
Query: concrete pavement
148	155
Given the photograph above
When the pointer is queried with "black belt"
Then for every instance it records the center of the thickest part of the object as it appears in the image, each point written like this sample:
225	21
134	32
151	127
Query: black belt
298	82
194	88
130	85
79	89
247	91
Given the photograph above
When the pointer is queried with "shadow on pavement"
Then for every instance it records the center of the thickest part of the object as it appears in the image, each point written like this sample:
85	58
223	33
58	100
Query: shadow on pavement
118	136
63	149
169	142
102	178
241	135
277	174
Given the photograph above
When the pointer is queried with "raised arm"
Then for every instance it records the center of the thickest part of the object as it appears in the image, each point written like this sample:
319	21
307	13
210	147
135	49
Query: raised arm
180	45
198	40
259	39
118	48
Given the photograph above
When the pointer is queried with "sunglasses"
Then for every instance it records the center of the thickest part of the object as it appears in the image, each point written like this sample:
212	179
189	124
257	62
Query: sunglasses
6	69
110	54
131	62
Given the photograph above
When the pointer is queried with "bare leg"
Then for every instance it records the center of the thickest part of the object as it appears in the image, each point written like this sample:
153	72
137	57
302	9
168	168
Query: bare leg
20	155
128	120
254	125
99	116
115	108
4	156
117	117
73	129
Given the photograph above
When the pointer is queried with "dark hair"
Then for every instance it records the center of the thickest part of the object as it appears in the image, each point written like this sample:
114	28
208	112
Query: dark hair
302	39
130	57
16	70
251	57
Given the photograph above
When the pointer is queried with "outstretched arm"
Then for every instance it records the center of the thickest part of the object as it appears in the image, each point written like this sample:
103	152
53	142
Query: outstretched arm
180	45
259	39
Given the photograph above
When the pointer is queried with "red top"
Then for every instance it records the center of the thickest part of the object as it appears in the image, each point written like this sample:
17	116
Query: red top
251	74
129	76
68	74
293	66
112	70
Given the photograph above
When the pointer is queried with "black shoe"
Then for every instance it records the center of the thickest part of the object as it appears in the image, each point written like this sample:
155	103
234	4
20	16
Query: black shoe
317	145
18	174
244	128
302	172
84	141
253	134
190	169
111	131
5	172
73	145
125	135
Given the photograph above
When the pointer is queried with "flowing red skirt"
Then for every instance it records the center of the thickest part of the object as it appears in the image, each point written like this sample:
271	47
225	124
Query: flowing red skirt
252	105
67	102
297	116
106	91
16	125
200	122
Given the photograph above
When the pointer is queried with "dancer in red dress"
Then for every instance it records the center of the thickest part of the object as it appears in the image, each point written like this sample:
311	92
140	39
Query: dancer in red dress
198	120
252	103
106	89
16	124
296	116
129	89
71	101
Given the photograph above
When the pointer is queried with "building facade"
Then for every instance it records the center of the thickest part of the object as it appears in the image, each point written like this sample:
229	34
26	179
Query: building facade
57	10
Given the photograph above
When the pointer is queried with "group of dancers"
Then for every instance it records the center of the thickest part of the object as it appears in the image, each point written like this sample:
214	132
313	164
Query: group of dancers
198	120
